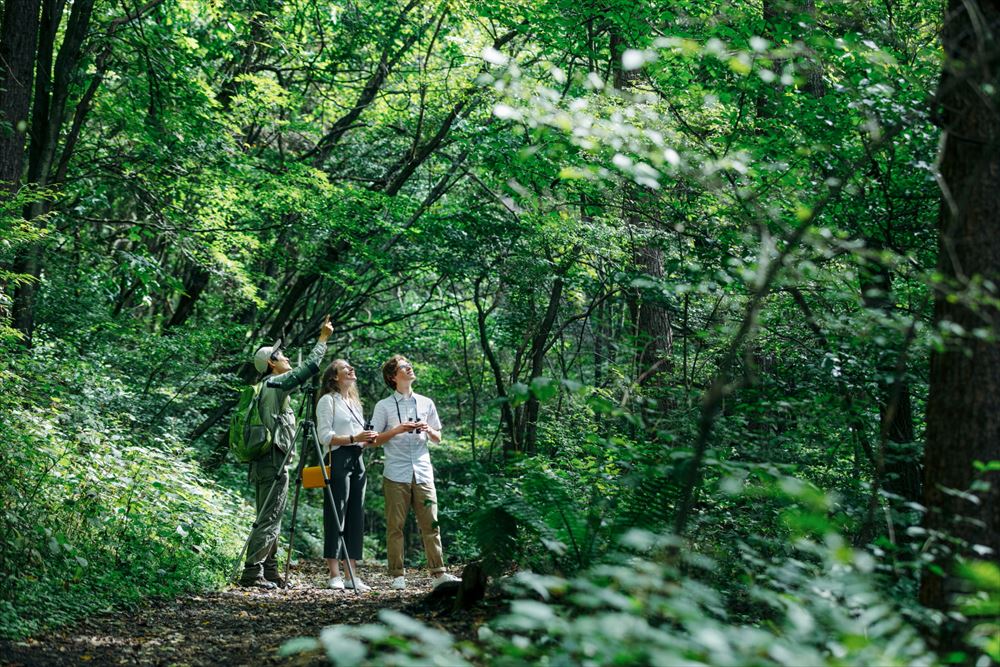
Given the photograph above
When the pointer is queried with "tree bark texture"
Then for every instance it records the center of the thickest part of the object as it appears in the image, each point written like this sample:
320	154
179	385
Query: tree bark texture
963	409
195	281
538	348
654	332
51	94
18	37
654	336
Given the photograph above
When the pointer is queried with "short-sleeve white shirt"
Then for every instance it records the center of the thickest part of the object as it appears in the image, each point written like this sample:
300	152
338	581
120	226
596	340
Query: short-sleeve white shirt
335	417
406	455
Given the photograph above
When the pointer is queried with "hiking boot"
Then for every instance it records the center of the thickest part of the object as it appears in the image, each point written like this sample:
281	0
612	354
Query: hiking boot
258	582
275	578
399	583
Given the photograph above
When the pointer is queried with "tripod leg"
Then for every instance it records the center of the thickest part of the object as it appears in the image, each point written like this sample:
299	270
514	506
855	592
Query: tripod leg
291	530
328	490
267	500
295	501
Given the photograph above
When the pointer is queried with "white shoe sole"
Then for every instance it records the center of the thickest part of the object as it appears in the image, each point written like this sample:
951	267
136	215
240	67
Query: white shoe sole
364	588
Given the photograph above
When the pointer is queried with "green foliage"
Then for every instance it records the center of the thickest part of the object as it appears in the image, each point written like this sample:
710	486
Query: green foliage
15	234
649	609
982	606
652	602
543	518
397	640
662	266
97	514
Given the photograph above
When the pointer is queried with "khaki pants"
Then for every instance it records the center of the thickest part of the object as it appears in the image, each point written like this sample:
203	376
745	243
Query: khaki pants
399	496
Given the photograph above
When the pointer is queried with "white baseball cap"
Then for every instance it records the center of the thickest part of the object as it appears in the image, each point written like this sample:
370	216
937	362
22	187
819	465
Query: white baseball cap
264	354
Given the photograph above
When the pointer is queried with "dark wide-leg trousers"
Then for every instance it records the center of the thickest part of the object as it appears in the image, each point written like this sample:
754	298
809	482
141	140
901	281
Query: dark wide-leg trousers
347	470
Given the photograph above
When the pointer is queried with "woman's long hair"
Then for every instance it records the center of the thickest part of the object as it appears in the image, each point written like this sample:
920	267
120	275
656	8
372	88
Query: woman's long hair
330	386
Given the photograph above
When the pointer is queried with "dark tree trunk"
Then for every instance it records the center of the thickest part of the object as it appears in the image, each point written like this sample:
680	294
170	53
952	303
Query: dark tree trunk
511	443
963	408
902	467
50	99
537	355
27	263
18	35
195	282
53	86
52	11
654	333
651	321
652	330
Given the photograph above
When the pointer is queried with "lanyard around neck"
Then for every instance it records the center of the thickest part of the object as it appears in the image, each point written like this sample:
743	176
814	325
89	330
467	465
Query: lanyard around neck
347	404
398	415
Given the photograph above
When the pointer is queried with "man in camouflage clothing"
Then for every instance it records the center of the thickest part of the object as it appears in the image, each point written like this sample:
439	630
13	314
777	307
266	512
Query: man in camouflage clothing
280	380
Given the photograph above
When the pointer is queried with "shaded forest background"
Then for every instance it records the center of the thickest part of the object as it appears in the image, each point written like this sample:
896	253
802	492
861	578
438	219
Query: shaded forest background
705	293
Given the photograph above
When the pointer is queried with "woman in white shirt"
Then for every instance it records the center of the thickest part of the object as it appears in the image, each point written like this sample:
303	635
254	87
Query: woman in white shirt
341	427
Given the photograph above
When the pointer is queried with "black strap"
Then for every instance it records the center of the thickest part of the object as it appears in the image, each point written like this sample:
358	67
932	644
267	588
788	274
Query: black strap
415	409
353	415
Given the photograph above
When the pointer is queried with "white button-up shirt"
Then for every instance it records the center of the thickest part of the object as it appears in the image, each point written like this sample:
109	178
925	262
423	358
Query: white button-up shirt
406	455
335	417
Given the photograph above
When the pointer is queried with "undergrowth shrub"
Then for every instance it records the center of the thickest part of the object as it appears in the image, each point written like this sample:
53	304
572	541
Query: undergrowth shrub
652	606
94	513
543	517
653	600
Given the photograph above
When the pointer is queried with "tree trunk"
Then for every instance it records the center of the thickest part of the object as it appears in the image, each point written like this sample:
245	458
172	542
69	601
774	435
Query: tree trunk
195	282
537	355
510	440
963	408
651	321
51	96
18	35
654	333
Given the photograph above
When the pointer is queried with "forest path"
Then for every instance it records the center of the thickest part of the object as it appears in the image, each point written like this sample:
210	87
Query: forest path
235	626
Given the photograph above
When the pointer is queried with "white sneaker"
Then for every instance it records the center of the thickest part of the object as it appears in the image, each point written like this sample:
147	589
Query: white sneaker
336	583
441	578
357	583
399	583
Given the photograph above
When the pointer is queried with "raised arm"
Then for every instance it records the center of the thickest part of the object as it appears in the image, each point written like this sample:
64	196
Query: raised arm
293	378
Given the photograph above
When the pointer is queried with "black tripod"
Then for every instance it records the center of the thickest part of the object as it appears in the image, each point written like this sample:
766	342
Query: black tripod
307	428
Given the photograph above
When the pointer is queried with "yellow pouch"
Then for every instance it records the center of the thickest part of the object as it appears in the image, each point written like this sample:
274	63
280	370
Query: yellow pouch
312	477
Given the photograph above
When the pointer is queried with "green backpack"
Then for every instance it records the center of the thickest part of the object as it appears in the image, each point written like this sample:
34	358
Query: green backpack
249	438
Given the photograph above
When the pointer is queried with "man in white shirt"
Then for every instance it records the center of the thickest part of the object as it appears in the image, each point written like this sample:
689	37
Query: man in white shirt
406	422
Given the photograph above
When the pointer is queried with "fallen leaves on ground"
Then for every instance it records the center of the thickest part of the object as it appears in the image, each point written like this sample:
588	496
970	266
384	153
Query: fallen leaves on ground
236	626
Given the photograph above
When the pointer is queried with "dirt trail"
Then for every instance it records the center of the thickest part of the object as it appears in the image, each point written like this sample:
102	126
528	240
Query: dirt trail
236	626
